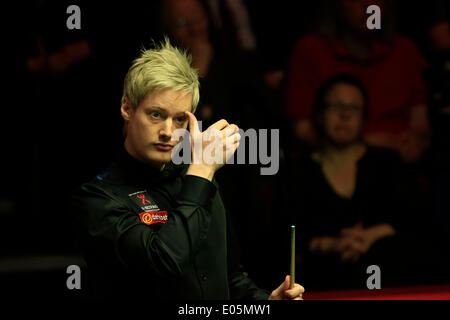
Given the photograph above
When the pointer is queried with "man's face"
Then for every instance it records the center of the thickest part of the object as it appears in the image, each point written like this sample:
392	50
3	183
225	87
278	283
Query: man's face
343	118
151	124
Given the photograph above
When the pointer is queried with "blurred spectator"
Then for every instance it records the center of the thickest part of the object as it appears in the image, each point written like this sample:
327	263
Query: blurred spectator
438	79
389	65
355	204
439	35
437	50
231	19
59	61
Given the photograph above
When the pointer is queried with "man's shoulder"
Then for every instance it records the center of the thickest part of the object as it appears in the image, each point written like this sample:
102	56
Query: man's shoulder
93	192
114	184
103	187
100	180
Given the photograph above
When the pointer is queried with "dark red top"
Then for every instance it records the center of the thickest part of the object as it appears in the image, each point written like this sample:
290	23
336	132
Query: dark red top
392	75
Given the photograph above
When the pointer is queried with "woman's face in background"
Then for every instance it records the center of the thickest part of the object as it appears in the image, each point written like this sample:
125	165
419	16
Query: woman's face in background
344	116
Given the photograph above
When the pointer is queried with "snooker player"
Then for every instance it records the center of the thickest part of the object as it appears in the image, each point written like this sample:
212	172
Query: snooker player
153	229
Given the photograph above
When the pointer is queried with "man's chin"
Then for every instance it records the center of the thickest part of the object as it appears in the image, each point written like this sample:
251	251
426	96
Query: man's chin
159	159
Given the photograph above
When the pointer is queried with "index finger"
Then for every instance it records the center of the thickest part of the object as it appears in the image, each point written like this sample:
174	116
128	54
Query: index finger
219	125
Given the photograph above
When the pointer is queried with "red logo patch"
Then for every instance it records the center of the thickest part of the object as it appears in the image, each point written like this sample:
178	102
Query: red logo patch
150	217
142	197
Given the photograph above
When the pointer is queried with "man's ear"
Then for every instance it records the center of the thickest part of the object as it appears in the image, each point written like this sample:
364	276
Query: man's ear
126	109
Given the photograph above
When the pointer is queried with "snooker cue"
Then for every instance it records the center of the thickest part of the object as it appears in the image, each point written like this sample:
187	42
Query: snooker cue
292	282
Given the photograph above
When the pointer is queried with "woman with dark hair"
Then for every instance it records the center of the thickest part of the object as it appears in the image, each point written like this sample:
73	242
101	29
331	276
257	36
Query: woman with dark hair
355	206
389	65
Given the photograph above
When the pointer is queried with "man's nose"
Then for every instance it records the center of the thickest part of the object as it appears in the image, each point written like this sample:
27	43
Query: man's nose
167	129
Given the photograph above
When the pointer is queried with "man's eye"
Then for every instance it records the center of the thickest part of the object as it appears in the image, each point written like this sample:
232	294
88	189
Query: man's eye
155	115
181	119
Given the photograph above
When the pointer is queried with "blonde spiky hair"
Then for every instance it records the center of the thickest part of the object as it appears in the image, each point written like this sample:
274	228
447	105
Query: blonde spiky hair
164	67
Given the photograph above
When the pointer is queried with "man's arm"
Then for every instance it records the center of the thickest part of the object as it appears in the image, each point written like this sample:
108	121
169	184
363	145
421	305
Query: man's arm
111	224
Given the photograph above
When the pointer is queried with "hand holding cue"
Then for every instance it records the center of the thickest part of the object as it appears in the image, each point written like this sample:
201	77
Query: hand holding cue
291	290
292	257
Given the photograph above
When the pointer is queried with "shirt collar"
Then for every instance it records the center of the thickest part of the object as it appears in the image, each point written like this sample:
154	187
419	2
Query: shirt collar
127	168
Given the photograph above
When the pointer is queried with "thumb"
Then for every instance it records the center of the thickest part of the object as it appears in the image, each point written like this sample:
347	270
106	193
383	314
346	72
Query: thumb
196	138
287	282
279	293
284	286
